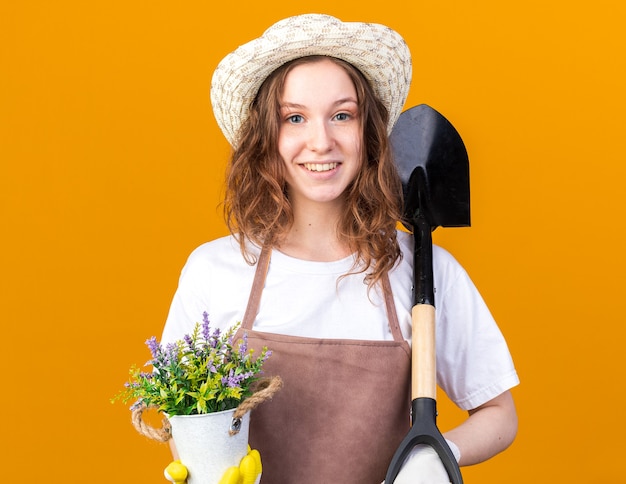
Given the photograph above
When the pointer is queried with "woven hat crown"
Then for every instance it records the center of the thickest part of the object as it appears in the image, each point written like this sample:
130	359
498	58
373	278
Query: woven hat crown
379	52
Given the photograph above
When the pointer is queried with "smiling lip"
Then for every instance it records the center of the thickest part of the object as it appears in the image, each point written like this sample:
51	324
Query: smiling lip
320	167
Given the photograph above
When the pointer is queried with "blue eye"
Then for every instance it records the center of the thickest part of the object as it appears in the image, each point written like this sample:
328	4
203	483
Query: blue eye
342	117
295	119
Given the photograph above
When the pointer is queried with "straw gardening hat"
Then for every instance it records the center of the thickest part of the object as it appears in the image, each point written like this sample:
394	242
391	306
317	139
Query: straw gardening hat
380	53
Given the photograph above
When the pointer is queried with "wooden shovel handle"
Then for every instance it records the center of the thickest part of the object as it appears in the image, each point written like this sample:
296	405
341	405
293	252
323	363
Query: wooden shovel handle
424	370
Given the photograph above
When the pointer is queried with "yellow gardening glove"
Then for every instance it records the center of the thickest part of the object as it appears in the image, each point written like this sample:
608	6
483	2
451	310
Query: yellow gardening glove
176	472
248	472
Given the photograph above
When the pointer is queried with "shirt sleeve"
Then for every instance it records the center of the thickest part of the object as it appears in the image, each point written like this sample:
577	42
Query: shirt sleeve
191	298
474	364
216	280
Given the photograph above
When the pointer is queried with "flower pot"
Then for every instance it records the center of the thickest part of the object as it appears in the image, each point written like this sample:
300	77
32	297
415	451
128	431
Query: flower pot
205	446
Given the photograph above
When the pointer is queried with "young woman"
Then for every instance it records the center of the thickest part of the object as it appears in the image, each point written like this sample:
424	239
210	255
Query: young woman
317	271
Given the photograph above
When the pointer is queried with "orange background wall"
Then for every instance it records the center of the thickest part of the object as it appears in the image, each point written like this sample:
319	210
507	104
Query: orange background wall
110	174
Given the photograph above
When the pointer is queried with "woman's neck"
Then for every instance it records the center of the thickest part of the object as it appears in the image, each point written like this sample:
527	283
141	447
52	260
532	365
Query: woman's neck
313	235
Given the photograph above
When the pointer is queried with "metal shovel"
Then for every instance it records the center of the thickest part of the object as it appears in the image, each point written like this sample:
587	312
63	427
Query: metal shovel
434	167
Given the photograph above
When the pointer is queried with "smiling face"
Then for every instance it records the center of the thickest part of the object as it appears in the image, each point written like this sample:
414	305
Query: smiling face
319	137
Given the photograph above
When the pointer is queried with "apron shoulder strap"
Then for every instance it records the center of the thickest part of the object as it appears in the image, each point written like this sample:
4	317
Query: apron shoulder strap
254	300
392	314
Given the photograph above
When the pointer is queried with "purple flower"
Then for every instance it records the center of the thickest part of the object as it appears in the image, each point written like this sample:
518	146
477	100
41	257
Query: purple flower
215	337
154	346
243	346
206	330
189	342
171	354
232	380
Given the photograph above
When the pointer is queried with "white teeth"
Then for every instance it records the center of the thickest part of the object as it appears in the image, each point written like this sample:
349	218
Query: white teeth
320	166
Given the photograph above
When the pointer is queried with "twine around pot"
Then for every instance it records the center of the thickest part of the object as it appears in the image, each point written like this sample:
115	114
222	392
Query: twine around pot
265	389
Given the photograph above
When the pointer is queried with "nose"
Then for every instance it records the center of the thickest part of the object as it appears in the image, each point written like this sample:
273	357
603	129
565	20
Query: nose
321	138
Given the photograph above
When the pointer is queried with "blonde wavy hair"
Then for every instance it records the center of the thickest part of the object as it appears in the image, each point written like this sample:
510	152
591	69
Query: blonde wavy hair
257	207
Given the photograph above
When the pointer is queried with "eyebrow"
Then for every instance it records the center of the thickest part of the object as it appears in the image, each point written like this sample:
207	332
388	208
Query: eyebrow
339	102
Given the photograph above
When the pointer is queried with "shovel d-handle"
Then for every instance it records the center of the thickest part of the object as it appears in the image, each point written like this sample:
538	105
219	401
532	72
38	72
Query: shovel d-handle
424	431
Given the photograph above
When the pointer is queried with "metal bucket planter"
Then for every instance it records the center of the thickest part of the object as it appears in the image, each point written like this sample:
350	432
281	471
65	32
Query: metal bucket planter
208	444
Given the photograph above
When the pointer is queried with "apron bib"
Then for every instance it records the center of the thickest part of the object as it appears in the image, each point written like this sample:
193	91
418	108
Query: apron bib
344	407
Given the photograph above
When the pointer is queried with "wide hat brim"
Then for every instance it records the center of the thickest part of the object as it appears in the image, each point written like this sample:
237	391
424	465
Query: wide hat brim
380	53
